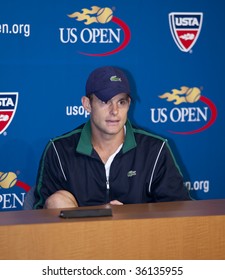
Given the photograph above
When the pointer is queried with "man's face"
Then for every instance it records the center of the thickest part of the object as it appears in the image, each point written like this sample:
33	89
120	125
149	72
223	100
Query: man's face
109	117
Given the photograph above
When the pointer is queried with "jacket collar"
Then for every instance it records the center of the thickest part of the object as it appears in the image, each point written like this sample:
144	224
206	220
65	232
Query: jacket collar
85	146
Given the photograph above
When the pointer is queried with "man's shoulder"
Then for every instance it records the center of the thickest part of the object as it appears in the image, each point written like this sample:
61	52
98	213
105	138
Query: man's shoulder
144	133
75	133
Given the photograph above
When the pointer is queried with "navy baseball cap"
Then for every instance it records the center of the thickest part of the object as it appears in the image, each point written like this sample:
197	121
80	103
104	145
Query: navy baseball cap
106	82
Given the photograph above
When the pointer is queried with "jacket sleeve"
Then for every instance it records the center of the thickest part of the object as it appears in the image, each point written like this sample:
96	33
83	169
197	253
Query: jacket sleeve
167	182
51	177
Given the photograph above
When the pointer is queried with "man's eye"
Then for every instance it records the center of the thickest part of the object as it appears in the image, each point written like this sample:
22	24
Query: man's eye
123	102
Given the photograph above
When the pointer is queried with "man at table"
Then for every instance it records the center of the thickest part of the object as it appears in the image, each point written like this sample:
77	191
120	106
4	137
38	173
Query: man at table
107	159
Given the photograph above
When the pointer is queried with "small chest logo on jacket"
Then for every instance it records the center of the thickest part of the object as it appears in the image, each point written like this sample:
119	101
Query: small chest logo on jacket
131	173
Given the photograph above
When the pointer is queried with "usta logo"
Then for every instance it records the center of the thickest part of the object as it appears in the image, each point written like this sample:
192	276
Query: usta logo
185	29
8	106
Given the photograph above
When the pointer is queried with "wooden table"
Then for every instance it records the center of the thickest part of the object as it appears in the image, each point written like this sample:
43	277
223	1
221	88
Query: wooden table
159	231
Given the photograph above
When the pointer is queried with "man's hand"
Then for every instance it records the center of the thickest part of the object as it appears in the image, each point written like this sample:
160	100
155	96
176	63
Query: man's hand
115	202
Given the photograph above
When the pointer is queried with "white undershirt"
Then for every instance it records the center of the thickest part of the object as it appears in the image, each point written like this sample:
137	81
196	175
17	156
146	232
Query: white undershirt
110	160
108	163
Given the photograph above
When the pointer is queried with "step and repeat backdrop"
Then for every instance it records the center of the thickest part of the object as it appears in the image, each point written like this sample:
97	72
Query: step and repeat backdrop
172	52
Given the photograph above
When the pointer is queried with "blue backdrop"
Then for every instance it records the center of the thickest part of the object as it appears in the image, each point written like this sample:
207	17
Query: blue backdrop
172	51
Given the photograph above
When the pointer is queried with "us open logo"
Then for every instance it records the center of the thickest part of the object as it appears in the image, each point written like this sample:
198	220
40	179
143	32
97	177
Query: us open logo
103	35
12	191
8	105
187	111
185	29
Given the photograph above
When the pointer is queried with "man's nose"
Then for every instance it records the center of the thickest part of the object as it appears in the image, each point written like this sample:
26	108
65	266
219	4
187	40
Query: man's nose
114	108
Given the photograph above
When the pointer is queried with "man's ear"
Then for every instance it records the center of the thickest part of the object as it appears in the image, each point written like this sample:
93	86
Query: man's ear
86	103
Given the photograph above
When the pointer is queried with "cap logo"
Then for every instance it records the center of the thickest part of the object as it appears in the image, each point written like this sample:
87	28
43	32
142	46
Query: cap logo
115	79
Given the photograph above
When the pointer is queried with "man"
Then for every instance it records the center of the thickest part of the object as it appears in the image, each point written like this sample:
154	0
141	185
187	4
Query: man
107	160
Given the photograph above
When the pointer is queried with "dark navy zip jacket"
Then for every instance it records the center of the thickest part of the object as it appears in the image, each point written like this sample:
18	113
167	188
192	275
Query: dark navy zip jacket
143	171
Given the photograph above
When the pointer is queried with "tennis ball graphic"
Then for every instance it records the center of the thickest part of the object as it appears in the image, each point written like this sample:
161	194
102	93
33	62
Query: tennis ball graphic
193	95
7	180
104	15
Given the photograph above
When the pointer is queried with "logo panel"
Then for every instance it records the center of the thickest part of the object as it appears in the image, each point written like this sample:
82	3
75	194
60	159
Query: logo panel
187	111
101	31
8	106
12	191
185	29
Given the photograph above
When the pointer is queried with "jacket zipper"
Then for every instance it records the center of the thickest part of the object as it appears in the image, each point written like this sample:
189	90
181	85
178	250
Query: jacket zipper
107	190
